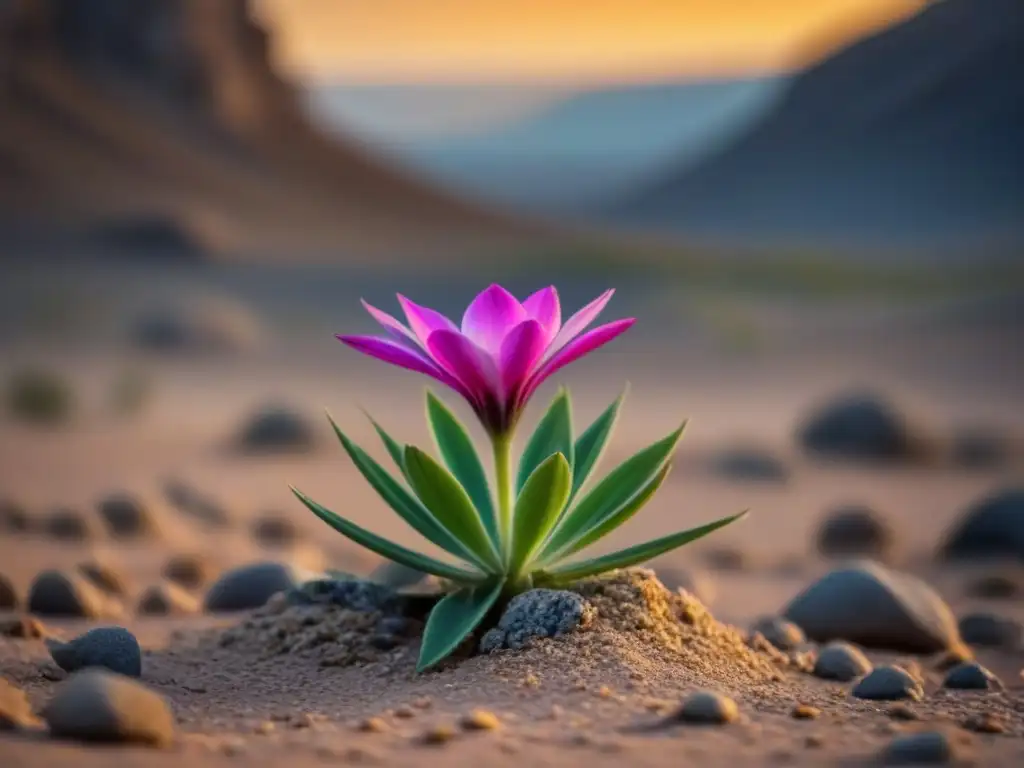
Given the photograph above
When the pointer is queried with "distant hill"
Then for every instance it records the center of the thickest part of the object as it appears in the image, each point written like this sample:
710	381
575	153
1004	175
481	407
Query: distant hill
566	150
166	120
913	136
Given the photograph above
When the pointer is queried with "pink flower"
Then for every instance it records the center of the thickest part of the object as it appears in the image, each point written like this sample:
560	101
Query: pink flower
501	354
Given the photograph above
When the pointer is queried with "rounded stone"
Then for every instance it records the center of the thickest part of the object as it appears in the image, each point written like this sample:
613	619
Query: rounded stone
991	631
708	708
277	428
54	593
166	599
859	426
249	586
888	683
104	576
275	530
841	661
127	516
784	635
8	596
855	530
921	748
66	524
188	571
993	527
113	648
971	676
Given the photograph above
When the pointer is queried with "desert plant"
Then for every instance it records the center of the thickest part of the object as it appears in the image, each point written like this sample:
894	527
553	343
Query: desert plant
527	531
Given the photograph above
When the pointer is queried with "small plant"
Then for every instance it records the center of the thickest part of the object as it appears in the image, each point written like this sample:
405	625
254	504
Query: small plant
526	533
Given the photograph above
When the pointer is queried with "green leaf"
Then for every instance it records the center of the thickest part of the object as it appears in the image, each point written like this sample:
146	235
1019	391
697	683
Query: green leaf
388	549
591	444
552	435
459	454
616	489
451	621
450	504
566	574
538	506
395	449
601	528
403	503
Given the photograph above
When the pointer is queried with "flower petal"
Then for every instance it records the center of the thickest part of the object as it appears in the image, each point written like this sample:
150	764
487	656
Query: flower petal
395	353
490	317
520	352
423	320
574	350
465	361
544	307
576	324
391	324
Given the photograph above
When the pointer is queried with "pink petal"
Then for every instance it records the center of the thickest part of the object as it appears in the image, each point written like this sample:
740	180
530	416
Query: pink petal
423	320
520	352
576	324
574	350
395	353
465	361
544	307
391	324
490	317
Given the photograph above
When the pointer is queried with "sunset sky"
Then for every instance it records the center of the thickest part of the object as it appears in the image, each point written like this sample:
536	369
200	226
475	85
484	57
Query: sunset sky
410	41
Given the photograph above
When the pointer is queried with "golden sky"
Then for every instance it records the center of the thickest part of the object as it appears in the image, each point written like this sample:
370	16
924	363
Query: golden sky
410	41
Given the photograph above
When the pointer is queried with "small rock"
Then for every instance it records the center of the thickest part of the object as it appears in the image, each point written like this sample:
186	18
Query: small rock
275	531
991	631
750	464
902	712
8	597
888	683
439	734
958	654
22	628
15	711
54	593
805	712
198	506
997	586
784	635
277	428
99	706
727	559
856	531
167	599
481	720
991	528
127	517
708	708
971	676
105	576
696	582
922	748
353	593
980	447
205	324
249	586
841	661
65	524
986	722
875	607
536	614
188	571
373	725
113	648
14	517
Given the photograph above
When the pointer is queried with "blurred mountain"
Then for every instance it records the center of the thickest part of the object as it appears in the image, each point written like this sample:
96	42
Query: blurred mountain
910	137
549	150
164	123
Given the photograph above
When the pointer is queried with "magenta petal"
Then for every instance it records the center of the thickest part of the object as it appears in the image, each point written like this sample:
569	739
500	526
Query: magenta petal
466	362
544	307
576	324
520	352
490	317
395	353
423	320
391	324
574	350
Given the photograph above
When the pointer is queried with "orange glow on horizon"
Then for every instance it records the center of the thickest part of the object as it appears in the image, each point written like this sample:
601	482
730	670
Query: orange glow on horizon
407	41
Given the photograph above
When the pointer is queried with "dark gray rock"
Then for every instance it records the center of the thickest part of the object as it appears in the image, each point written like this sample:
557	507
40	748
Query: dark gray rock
997	586
980	447
784	635
66	524
888	683
750	464
707	708
921	748
127	517
8	596
841	661
96	705
859	427
14	517
249	586
856	530
355	594
15	711
275	530
991	528
875	607
105	576
54	593
536	614
992	631
167	599
277	428
971	676
197	505
189	571
113	648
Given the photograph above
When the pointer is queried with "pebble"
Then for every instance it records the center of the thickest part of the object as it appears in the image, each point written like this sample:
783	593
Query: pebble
439	734
113	648
992	631
750	464
198	506
15	711
856	530
96	705
859	426
166	599
997	586
54	593
993	527
105	576
127	516
536	614
22	628
707	708
971	676
986	722
66	524
189	571
841	661
875	607
922	748
784	635
277	428
481	720
14	517
902	712
805	712
275	530
888	683
249	586
8	597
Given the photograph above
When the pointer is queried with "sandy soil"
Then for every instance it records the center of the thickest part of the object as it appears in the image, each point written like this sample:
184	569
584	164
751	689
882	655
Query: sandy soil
235	704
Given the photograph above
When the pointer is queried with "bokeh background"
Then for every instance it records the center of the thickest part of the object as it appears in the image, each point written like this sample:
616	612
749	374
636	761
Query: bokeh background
802	202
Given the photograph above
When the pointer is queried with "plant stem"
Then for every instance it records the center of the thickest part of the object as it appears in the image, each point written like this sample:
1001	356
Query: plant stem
502	444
